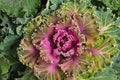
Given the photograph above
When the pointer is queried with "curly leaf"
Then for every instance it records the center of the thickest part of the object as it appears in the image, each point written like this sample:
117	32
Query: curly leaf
116	66
107	74
114	5
18	8
51	5
105	19
4	64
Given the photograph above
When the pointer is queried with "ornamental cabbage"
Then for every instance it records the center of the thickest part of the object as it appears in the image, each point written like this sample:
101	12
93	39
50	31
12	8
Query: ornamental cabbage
65	44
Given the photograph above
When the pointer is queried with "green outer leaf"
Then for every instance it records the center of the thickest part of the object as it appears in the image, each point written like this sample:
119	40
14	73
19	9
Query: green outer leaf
4	65
16	70
117	23
28	76
8	41
105	18
107	74
113	4
19	7
51	5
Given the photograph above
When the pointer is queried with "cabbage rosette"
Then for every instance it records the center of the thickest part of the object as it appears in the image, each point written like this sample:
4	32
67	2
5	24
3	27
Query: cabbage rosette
66	44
